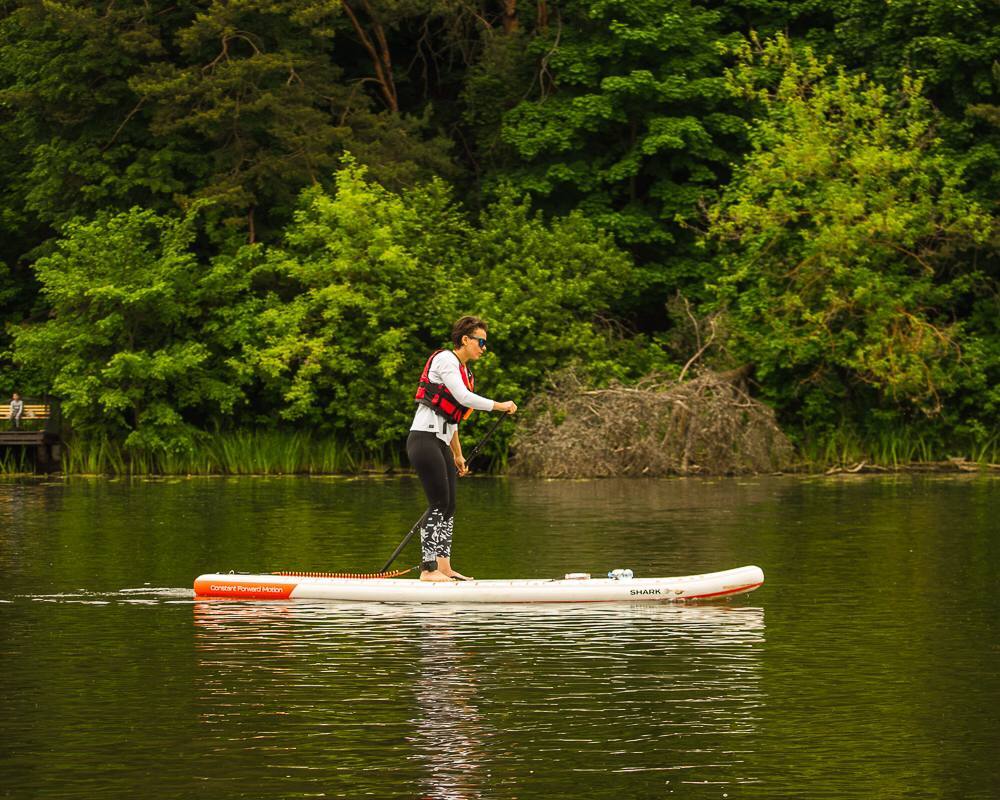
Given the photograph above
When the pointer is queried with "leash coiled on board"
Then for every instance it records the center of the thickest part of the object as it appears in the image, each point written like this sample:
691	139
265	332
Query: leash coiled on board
355	575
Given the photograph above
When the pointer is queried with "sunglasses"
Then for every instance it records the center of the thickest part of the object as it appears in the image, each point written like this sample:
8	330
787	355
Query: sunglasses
480	342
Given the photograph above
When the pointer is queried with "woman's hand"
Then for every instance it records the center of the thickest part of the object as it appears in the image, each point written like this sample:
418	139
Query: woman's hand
460	465
508	407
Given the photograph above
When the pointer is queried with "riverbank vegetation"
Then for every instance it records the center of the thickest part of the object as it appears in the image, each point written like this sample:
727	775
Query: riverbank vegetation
232	234
224	453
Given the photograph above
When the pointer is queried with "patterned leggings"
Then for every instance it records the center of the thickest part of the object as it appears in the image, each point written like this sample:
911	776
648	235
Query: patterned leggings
432	460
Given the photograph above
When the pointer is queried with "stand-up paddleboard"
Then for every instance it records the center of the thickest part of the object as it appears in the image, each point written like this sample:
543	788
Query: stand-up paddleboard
571	589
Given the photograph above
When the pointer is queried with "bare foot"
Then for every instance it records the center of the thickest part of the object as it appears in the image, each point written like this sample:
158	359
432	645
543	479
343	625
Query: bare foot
436	575
458	575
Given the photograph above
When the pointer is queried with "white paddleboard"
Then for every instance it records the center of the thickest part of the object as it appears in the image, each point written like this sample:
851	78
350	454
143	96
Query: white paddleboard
710	586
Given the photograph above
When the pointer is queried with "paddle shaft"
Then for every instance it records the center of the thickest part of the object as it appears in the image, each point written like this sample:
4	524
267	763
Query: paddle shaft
483	441
402	544
423	517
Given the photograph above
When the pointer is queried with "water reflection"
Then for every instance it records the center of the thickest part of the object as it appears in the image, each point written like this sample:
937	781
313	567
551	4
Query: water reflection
477	698
450	736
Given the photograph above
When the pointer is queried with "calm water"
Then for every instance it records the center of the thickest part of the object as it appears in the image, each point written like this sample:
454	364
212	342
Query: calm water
868	666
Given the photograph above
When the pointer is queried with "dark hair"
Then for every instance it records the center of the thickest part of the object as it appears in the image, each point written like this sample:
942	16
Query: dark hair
465	326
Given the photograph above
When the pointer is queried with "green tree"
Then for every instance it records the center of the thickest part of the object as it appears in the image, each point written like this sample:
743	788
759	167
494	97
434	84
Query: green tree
366	279
628	119
249	92
131	343
8	297
72	131
372	280
950	47
157	104
549	286
847	247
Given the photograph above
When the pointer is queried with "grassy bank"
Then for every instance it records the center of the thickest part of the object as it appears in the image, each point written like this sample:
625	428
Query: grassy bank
236	453
14	460
295	453
892	450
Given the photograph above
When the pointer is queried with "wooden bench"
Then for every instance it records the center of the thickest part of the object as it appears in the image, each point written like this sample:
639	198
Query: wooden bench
38	432
31	411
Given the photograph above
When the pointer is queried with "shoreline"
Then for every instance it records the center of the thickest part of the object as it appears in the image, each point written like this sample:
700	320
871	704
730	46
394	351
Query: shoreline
952	467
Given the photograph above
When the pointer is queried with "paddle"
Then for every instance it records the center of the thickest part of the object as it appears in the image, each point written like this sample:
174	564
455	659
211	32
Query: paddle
419	522
483	441
402	544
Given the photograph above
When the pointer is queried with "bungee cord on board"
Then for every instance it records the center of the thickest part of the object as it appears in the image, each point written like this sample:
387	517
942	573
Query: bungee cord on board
359	575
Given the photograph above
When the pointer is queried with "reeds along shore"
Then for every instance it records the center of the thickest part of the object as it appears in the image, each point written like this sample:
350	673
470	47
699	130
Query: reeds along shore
293	453
900	449
235	453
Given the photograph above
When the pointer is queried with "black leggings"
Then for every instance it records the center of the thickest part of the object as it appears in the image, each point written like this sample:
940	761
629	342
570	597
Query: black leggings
435	466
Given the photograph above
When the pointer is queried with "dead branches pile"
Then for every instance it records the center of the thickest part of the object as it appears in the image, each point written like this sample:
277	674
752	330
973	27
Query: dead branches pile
707	425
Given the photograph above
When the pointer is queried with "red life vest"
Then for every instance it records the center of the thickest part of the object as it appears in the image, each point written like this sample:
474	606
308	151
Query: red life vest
437	397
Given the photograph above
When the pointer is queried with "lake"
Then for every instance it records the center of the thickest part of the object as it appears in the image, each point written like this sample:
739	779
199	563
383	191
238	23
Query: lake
867	666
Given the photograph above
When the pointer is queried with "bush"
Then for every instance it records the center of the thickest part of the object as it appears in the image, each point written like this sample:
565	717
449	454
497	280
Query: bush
847	250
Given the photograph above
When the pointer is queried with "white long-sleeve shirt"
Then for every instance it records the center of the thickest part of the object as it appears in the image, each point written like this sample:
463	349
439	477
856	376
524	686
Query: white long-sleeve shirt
445	369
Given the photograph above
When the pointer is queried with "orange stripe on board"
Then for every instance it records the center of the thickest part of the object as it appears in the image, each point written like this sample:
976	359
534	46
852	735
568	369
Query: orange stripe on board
735	590
251	591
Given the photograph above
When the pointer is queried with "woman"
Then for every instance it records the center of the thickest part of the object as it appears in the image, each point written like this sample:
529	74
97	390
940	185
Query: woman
444	398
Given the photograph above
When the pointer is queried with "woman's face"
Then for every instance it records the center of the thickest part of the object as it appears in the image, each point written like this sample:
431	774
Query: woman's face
475	345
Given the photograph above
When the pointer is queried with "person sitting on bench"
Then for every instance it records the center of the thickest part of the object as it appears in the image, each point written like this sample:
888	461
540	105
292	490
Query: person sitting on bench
16	410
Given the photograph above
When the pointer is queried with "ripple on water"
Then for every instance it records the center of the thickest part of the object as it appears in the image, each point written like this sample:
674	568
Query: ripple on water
479	692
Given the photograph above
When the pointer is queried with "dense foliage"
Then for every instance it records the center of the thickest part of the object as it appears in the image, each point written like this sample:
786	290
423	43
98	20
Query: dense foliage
326	329
218	217
838	242
133	343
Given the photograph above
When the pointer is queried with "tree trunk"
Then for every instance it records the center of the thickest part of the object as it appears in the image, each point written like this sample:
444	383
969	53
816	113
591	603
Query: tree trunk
380	56
509	16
